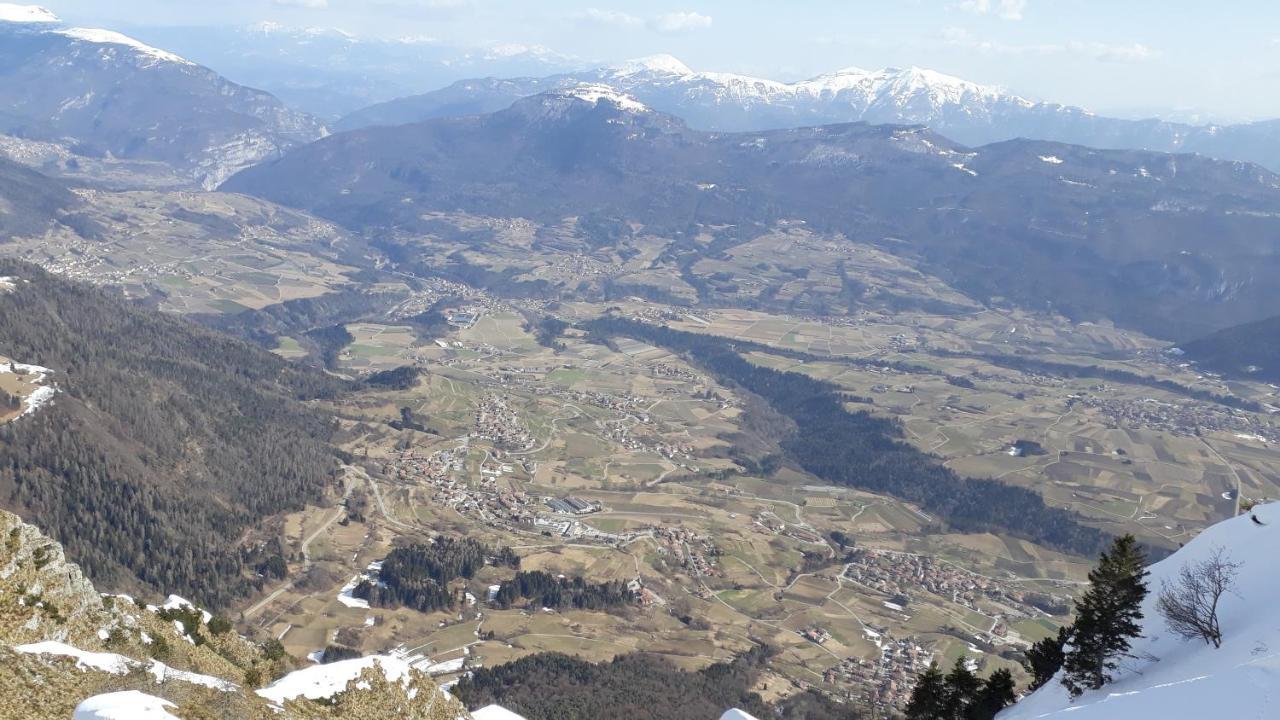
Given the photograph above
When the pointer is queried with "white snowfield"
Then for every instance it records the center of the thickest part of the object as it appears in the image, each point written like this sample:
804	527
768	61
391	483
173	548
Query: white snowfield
116	664
596	93
1171	678
85	660
325	681
736	714
888	87
128	705
10	12
110	37
494	712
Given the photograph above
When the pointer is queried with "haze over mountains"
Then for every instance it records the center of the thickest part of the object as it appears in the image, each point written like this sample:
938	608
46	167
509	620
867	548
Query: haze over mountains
100	93
330	73
964	111
1091	233
633	392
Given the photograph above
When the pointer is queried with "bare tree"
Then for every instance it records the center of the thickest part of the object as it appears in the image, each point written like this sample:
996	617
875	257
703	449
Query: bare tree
1189	604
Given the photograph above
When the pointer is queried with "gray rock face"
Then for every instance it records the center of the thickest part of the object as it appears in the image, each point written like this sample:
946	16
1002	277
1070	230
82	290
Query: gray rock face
105	94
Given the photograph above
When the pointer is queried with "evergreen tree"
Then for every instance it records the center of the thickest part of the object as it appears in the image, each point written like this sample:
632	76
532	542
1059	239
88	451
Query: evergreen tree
929	699
995	695
1044	659
1108	617
962	688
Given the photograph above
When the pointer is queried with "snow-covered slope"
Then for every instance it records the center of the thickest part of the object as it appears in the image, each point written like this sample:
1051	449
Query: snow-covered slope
1171	678
108	95
12	13
968	112
125	705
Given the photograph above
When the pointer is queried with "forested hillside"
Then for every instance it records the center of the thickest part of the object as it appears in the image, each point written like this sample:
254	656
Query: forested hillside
552	686
165	442
1251	350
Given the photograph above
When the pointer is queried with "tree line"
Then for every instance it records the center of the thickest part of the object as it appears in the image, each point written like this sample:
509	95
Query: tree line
418	576
165	442
553	686
543	589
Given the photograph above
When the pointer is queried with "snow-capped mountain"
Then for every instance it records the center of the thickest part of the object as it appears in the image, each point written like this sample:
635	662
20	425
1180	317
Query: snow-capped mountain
1169	677
104	94
968	112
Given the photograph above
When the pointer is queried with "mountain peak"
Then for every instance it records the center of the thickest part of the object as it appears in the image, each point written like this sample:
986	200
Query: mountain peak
662	64
12	13
595	94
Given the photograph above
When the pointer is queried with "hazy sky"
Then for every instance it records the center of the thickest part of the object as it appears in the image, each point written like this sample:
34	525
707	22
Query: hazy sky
1130	57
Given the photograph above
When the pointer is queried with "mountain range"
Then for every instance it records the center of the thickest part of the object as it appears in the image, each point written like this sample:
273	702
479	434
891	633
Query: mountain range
1093	234
104	94
964	111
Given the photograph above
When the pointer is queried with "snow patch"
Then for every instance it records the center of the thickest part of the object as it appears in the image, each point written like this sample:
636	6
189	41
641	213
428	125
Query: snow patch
1051	159
325	681
174	602
661	63
102	662
596	93
1170	677
736	714
494	712
12	13
346	598
162	672
127	705
110	37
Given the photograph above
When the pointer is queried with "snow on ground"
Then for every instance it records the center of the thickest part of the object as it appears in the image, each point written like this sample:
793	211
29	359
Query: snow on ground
596	93
1174	678
38	398
110	37
85	660
128	705
162	673
26	14
119	665
174	602
325	681
447	667
1051	159
736	714
494	712
346	598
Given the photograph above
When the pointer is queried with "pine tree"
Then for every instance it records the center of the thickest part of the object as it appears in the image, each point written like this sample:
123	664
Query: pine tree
995	695
962	687
929	699
1044	659
1108	617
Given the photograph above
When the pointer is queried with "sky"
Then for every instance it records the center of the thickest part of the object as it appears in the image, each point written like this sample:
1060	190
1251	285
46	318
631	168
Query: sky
1180	59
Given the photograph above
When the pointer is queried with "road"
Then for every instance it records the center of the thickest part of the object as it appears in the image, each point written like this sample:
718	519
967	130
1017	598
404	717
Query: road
337	514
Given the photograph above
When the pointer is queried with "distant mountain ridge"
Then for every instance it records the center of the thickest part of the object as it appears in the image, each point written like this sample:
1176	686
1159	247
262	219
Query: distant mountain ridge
1249	351
330	73
102	93
968	112
1092	234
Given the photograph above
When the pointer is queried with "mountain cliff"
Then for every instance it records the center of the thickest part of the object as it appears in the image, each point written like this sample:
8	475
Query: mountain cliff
102	93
